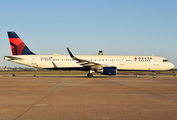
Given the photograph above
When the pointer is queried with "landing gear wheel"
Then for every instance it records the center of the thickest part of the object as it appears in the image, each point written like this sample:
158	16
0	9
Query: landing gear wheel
89	75
154	76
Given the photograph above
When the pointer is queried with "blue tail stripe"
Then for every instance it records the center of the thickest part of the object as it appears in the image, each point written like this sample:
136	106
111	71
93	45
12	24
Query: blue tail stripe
26	51
12	35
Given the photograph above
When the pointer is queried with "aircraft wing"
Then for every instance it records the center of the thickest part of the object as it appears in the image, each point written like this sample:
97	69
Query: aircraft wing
86	63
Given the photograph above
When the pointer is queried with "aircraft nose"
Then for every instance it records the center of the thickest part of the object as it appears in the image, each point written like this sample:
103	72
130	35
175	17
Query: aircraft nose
171	65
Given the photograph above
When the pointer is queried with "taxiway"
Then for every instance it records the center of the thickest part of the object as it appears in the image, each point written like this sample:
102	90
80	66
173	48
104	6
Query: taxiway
81	98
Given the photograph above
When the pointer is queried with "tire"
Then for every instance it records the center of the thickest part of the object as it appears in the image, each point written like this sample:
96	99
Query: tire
154	76
89	75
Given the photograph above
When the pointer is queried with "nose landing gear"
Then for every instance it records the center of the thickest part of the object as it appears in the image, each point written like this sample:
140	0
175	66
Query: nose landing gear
154	74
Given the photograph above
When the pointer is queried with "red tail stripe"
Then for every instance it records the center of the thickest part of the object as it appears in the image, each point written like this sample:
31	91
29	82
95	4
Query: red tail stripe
19	44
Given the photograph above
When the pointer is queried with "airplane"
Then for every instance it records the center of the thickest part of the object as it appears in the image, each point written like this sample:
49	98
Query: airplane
104	64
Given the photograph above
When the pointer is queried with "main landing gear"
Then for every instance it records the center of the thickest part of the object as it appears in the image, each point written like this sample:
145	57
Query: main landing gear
90	75
154	74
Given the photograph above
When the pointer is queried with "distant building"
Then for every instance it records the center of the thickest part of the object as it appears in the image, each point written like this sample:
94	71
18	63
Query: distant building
100	52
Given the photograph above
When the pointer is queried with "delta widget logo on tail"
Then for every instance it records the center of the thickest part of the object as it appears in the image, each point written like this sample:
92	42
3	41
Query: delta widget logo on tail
17	45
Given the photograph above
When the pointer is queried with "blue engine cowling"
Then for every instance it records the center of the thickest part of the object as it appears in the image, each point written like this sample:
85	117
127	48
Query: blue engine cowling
109	70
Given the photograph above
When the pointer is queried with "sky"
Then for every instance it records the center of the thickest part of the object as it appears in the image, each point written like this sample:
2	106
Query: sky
118	27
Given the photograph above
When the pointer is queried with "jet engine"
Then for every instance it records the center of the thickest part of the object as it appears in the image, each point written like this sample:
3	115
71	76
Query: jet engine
108	70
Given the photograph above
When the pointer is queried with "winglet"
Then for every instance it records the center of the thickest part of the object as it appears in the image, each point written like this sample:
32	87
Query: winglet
70	53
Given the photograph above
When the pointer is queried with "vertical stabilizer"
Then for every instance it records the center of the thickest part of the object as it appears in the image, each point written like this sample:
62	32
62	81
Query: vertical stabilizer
18	47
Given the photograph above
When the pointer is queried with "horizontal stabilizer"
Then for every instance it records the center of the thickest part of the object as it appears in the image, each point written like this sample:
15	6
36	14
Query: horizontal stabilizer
12	58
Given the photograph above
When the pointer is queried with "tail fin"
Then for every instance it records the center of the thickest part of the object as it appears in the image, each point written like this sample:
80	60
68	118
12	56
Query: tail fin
18	47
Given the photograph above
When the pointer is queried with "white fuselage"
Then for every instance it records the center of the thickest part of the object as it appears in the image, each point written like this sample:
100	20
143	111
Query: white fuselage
121	62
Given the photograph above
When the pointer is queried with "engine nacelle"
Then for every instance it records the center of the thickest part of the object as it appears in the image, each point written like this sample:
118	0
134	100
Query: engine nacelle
109	70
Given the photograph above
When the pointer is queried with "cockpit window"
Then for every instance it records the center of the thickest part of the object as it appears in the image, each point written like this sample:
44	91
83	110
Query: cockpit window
165	60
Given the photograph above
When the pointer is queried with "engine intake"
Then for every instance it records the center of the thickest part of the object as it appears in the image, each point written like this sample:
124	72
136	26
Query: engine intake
109	70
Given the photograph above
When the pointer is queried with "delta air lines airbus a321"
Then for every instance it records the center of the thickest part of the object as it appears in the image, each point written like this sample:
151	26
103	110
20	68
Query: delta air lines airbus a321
104	64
